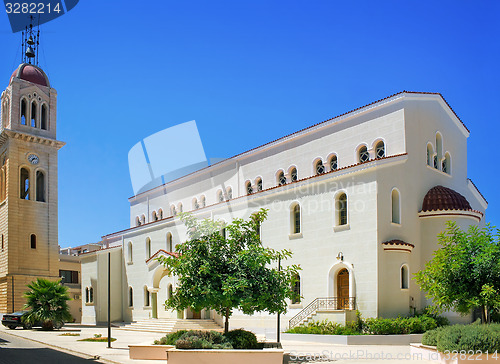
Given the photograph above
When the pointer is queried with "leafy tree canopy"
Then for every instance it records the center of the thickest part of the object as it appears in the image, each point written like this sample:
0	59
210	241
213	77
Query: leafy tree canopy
226	267
465	272
47	302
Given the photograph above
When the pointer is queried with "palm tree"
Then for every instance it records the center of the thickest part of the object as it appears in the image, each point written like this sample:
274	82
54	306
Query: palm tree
47	304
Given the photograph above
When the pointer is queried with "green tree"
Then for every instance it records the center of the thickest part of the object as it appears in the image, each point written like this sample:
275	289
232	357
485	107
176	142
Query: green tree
47	304
226	267
465	272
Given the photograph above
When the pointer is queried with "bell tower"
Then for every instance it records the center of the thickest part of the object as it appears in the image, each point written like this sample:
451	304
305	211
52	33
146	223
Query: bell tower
28	179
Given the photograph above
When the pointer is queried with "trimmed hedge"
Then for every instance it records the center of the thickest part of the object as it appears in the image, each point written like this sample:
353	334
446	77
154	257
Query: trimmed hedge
195	339
326	328
170	339
242	339
484	338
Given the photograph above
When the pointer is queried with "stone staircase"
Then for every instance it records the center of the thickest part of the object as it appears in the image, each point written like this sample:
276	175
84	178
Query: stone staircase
168	325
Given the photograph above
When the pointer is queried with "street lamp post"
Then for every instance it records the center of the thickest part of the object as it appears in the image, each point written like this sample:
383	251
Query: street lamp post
278	323
109	299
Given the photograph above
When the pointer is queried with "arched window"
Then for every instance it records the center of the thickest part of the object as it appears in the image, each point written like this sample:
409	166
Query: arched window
143	219
203	201
281	179
33	114
24	112
173	210
295	218
25	184
179	207
91	295
87	295
333	163
294	175
169	291
396	207
258	183
220	196
137	221
319	167
248	187
439	146
404	277
160	214
130	297
148	248
296	289
341	207
446	166
363	154
147	300
130	253
169	242
380	150
40	186
33	241
154	216
229	193
44	118
196	205
430	154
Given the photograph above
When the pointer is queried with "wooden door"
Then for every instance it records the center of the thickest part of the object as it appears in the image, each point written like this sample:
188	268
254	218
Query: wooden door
196	315
343	289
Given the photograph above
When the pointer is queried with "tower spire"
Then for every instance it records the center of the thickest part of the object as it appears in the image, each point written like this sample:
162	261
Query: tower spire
31	41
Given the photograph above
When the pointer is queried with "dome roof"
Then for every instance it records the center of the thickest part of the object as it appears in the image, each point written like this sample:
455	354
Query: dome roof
443	198
30	73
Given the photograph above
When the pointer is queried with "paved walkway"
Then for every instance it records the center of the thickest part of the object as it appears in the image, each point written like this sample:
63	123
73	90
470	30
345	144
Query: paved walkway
299	352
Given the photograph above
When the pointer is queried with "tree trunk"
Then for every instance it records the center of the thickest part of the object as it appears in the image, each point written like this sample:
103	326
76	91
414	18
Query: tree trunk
484	314
226	324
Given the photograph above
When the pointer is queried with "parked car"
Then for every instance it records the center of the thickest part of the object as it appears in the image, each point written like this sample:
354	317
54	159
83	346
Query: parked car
13	320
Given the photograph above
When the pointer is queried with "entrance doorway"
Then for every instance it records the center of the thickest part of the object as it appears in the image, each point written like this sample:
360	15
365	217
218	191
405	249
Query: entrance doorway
343	289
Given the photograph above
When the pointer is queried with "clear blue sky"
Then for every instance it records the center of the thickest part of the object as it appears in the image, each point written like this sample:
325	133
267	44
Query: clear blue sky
248	72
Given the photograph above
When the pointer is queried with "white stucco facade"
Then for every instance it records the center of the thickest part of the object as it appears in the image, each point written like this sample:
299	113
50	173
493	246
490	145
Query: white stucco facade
384	204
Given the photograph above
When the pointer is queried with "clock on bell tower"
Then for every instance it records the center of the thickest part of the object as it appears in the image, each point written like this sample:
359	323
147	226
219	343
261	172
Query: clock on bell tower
28	180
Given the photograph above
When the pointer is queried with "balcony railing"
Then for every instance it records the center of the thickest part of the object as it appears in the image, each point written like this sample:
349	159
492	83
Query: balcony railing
323	304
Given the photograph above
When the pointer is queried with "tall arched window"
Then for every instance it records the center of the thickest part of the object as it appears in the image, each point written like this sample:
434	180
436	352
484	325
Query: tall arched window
341	207
33	114
229	193
203	201
40	186
196	205
430	154
91	295
258	183
130	297
154	216
293	174
137	221
404	277
147	300
130	253
295	218
169	242
44	117
281	179
169	291
33	241
396	207
160	214
24	112
319	167
380	150
25	184
148	248
333	163
143	219
296	289
439	146
248	187
363	154
220	196
446	166
173	210
180	208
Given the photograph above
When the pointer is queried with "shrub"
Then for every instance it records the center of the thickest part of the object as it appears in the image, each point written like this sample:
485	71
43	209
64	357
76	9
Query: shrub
241	339
469	337
171	338
202	340
431	337
400	325
327	328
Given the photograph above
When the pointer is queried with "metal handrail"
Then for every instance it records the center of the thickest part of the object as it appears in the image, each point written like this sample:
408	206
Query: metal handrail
324	303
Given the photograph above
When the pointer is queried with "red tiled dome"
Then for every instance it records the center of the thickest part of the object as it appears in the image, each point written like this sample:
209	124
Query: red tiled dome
443	198
30	73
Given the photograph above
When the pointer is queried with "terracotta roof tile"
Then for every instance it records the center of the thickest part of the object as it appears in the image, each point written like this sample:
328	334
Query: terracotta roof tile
444	198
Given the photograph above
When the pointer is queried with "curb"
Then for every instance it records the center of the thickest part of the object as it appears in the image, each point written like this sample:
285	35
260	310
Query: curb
68	351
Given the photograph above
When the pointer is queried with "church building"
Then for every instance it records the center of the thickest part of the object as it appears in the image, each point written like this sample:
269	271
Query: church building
359	199
28	181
